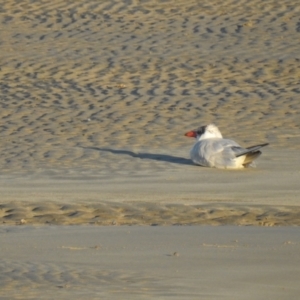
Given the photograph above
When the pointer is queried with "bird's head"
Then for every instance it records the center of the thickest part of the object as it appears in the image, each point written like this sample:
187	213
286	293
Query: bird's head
205	132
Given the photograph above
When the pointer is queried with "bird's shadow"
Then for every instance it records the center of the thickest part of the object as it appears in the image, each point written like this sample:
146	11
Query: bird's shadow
141	155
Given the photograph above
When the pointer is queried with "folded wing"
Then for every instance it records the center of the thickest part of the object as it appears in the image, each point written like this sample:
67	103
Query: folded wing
250	153
242	151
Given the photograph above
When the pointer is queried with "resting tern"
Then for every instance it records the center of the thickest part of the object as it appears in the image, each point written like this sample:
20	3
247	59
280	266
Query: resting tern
212	150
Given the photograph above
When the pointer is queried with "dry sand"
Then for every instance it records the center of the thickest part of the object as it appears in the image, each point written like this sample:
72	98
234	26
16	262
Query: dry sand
135	75
95	99
175	193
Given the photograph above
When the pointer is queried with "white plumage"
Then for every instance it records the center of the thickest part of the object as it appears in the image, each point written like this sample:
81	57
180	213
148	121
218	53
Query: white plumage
211	150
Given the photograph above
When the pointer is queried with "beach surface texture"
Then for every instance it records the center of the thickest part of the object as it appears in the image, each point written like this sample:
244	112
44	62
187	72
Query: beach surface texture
96	97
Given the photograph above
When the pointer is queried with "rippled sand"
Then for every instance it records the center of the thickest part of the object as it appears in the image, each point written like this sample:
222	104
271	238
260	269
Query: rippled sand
114	75
143	213
95	99
106	89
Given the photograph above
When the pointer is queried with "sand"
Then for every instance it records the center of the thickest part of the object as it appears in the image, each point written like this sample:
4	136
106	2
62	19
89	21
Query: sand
134	262
95	99
179	194
114	75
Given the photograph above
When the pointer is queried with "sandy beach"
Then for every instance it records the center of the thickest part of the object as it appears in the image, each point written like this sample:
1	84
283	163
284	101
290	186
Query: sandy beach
171	262
95	99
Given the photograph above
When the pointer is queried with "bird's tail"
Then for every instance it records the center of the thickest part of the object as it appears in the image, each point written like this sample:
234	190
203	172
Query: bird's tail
252	151
250	157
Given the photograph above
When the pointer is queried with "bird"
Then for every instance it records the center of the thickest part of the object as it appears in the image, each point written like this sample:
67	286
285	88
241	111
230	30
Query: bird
212	150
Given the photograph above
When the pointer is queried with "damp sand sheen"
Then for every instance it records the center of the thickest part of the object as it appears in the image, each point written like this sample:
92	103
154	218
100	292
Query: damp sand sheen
99	197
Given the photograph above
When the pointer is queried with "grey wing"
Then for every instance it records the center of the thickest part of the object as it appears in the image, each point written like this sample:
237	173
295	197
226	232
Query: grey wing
241	151
250	153
225	152
219	145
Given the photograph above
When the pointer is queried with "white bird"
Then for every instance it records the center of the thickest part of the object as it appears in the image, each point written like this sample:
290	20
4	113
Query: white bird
211	150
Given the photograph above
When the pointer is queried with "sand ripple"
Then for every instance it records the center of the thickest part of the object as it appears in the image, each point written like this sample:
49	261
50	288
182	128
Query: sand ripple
146	213
136	75
29	280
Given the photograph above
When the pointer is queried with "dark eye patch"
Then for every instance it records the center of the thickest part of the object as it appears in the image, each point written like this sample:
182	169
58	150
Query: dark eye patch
200	130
